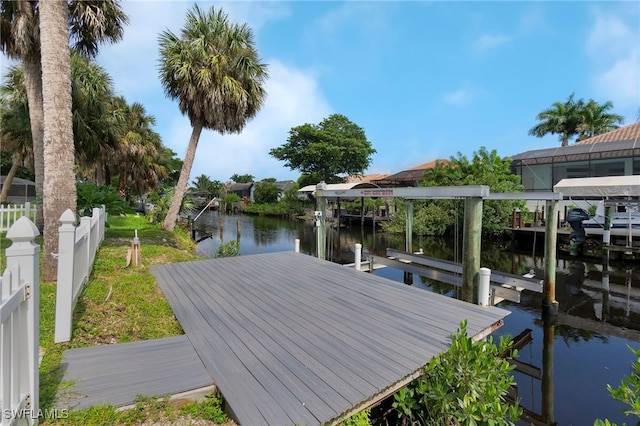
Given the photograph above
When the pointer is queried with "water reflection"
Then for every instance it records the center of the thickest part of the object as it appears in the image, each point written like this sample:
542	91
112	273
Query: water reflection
580	354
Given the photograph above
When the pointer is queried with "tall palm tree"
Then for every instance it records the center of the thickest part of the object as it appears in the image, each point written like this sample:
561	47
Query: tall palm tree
214	72
60	184
141	163
561	119
96	123
15	134
20	39
90	23
595	120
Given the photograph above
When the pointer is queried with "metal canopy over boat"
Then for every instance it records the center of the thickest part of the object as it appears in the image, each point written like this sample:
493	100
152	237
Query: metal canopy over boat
600	187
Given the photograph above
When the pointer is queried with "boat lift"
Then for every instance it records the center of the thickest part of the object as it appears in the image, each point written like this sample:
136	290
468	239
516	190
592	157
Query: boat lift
473	196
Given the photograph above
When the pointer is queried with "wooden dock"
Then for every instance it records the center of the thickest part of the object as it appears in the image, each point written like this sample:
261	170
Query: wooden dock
291	339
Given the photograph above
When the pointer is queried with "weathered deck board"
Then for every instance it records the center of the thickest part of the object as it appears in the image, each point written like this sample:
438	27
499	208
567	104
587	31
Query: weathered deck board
117	374
291	339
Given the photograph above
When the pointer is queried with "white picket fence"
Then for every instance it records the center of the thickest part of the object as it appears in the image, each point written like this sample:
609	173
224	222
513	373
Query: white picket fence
19	315
77	248
10	214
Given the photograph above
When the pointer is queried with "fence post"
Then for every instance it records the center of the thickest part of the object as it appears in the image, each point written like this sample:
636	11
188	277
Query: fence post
25	254
64	287
89	250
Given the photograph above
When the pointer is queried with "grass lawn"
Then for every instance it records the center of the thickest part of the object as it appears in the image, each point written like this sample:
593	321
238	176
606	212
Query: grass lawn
118	305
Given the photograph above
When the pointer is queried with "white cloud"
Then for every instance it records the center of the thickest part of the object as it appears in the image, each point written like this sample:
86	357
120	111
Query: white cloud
620	82
613	43
610	37
458	97
489	41
293	99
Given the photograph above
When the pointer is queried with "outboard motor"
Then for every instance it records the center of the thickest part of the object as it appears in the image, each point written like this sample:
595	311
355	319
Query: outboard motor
577	236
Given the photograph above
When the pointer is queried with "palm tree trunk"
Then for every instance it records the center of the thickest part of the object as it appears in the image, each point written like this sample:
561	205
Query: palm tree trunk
60	183
8	180
33	85
183	180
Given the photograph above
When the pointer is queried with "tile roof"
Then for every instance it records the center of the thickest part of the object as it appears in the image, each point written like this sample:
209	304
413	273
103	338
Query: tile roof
365	178
429	165
626	133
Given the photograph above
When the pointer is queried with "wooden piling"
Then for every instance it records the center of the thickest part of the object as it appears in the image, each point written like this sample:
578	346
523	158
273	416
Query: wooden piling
549	303
471	242
408	229
321	225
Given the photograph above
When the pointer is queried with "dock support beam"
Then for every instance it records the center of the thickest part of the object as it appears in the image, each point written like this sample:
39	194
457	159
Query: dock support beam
471	243
549	303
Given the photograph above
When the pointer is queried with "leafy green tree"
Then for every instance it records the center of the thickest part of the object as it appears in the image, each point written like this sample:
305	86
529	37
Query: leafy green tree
242	178
485	168
438	217
327	150
266	191
229	199
213	70
466	385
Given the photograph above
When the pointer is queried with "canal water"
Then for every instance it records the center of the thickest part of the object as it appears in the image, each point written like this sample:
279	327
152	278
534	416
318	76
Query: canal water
568	364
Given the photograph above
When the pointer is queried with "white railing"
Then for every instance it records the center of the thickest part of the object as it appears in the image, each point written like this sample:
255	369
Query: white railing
10	214
77	248
19	304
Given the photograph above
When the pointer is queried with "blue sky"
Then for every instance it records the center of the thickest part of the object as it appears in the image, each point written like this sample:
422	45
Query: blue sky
425	80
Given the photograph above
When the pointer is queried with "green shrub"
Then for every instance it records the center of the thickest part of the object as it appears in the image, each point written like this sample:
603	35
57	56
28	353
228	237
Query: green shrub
90	195
229	249
465	385
358	419
628	392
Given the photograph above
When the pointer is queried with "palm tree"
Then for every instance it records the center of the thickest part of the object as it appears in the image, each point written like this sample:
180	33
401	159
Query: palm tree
141	163
214	72
96	123
90	23
60	185
20	39
561	119
595	120
15	134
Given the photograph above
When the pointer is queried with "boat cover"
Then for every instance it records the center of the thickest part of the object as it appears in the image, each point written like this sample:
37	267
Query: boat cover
600	187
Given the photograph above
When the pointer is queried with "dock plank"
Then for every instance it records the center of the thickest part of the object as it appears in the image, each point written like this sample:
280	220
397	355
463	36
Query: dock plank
291	339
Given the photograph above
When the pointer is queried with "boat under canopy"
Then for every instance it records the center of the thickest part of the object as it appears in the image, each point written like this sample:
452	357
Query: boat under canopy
600	187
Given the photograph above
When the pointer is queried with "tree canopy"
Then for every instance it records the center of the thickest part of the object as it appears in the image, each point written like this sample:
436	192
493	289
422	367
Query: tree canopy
242	178
330	150
576	118
439	217
266	191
